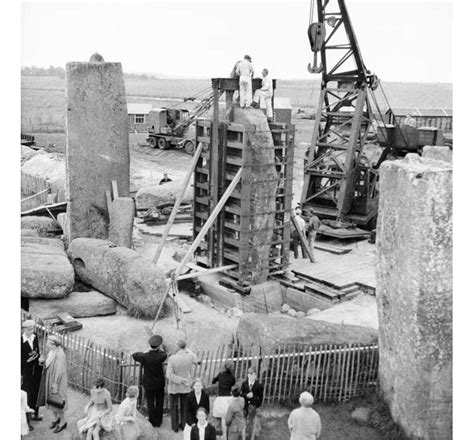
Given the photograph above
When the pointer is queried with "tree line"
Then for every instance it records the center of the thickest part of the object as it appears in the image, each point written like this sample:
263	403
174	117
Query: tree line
61	73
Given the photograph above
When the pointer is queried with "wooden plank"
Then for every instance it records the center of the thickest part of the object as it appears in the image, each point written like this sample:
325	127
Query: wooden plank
337	250
115	192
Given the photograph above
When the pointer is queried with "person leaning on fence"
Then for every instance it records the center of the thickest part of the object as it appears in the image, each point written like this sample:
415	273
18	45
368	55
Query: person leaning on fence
304	423
53	387
31	369
98	412
202	430
252	392
198	398
225	381
153	378
125	418
178	373
234	418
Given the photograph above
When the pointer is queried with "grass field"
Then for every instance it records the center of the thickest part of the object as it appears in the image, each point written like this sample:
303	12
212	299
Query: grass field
43	102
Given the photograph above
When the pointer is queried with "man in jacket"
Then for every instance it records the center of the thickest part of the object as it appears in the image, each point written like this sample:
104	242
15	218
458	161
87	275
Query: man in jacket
245	72
31	369
252	392
178	373
153	378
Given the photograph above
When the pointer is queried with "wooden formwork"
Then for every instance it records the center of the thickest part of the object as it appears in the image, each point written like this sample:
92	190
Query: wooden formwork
229	241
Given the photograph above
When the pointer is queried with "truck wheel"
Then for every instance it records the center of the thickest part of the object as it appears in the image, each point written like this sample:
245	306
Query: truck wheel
152	141
162	144
189	147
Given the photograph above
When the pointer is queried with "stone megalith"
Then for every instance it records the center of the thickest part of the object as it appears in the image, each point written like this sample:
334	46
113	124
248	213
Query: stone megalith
263	179
120	273
438	153
414	294
121	221
97	150
45	269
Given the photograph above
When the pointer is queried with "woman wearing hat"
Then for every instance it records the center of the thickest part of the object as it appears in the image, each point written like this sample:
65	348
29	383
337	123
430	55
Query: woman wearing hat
31	369
53	388
304	422
153	378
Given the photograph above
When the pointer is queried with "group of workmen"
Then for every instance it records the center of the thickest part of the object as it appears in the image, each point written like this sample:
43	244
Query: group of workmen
243	70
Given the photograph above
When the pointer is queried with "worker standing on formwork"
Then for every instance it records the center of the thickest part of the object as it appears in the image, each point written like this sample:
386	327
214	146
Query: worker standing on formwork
245	72
264	93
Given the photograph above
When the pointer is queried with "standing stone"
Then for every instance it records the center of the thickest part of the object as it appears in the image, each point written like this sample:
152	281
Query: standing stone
414	294
97	145
262	193
121	221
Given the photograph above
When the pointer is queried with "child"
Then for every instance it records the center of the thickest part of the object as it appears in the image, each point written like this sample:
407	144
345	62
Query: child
127	427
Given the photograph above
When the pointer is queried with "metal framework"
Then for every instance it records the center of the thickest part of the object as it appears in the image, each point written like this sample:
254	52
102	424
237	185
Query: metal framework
339	182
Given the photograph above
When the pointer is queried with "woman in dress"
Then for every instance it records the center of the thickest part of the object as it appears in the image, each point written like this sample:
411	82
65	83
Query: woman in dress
202	430
125	418
304	422
98	412
53	387
197	398
225	381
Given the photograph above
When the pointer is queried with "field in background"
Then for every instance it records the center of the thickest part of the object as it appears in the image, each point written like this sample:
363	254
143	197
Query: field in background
43	102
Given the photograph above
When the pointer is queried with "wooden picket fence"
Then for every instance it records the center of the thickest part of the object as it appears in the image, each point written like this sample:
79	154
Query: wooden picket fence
331	373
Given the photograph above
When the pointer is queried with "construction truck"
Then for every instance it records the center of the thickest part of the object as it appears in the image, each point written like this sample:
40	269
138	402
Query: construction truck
351	135
172	127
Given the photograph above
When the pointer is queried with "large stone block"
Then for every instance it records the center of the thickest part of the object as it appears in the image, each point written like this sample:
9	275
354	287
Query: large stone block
97	150
263	191
121	221
118	272
77	304
414	294
42	225
45	269
438	153
268	331
149	196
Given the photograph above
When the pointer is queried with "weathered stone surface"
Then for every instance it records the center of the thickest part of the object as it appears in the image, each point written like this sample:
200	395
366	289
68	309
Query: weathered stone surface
121	221
438	153
29	233
27	153
267	331
62	219
45	269
149	196
263	191
135	283
414	294
42	225
77	304
96	146
268	293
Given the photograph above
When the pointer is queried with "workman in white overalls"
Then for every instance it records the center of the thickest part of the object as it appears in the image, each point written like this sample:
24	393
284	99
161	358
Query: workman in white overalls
245	72
265	94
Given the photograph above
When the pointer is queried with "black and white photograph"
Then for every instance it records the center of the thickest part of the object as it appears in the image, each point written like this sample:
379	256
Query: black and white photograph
236	220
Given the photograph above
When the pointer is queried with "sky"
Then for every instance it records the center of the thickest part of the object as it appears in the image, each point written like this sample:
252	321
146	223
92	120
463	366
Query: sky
399	40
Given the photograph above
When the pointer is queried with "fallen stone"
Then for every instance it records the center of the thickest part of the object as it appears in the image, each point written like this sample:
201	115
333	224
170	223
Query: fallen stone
414	294
120	273
268	331
45	269
268	293
285	308
312	311
292	313
29	233
42	225
96	145
121	221
149	196
438	153
77	304
361	415
300	314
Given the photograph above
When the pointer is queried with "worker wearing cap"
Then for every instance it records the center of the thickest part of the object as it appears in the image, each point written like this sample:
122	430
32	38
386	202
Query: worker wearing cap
313	225
245	71
178	373
265	94
31	369
153	378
